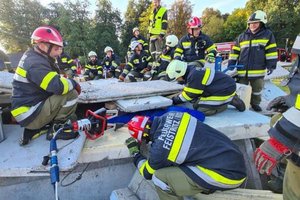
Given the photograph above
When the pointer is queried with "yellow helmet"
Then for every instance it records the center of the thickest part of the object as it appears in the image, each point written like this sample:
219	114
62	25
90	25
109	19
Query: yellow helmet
176	69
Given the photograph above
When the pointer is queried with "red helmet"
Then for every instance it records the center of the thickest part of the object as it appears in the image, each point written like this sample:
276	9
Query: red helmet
194	22
136	126
47	34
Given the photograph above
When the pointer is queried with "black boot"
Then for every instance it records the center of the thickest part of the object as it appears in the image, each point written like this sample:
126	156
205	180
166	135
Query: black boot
238	103
30	134
66	132
256	108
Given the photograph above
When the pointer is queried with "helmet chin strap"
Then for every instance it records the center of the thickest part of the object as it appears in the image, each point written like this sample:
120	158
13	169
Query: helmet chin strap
44	52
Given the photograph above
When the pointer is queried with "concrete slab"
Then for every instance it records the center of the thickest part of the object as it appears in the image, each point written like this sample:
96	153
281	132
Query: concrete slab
108	147
279	72
123	194
111	90
6	79
244	92
239	125
141	104
26	161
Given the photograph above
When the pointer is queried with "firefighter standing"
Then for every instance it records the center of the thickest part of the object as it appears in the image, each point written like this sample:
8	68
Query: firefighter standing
166	57
139	66
210	91
256	50
186	156
93	68
40	95
110	63
137	37
7	63
195	47
157	29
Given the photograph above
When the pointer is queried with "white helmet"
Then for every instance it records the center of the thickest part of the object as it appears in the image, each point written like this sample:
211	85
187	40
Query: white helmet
92	53
176	69
134	44
258	16
135	29
171	40
108	48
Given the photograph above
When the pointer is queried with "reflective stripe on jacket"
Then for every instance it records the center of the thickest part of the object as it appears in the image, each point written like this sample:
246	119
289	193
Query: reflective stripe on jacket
206	155
35	80
138	62
191	49
158	21
211	88
257	52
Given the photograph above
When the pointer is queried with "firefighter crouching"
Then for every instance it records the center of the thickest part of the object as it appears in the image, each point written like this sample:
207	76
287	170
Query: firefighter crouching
186	156
93	70
195	47
139	65
40	95
210	91
165	58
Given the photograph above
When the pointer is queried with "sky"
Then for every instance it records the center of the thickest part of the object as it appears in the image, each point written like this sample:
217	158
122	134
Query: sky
225	6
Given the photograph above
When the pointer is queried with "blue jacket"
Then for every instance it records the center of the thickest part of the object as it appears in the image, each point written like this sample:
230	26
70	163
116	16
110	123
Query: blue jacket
206	155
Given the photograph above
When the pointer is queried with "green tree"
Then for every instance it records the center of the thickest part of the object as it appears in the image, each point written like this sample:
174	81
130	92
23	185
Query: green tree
213	24
18	19
107	25
284	19
254	5
179	14
235	24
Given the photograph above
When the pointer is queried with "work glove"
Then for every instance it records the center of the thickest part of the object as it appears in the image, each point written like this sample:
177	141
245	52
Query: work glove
210	58
132	146
278	104
176	100
269	154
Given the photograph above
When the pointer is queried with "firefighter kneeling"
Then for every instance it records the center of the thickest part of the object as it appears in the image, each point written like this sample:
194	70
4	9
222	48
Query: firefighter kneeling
186	156
210	91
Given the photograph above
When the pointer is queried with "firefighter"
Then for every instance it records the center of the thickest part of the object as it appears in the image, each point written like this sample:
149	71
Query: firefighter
195	47
255	49
280	105
93	69
139	66
137	37
66	64
186	156
6	61
40	95
210	91
110	63
157	29
283	143
166	57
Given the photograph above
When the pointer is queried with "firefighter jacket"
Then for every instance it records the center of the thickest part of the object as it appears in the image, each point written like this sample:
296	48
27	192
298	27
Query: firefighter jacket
206	155
165	58
65	62
158	22
287	130
35	80
110	62
208	87
139	63
191	49
142	40
257	52
94	67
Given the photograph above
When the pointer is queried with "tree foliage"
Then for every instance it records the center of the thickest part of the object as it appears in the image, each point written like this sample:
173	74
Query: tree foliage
179	14
18	19
213	24
235	24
